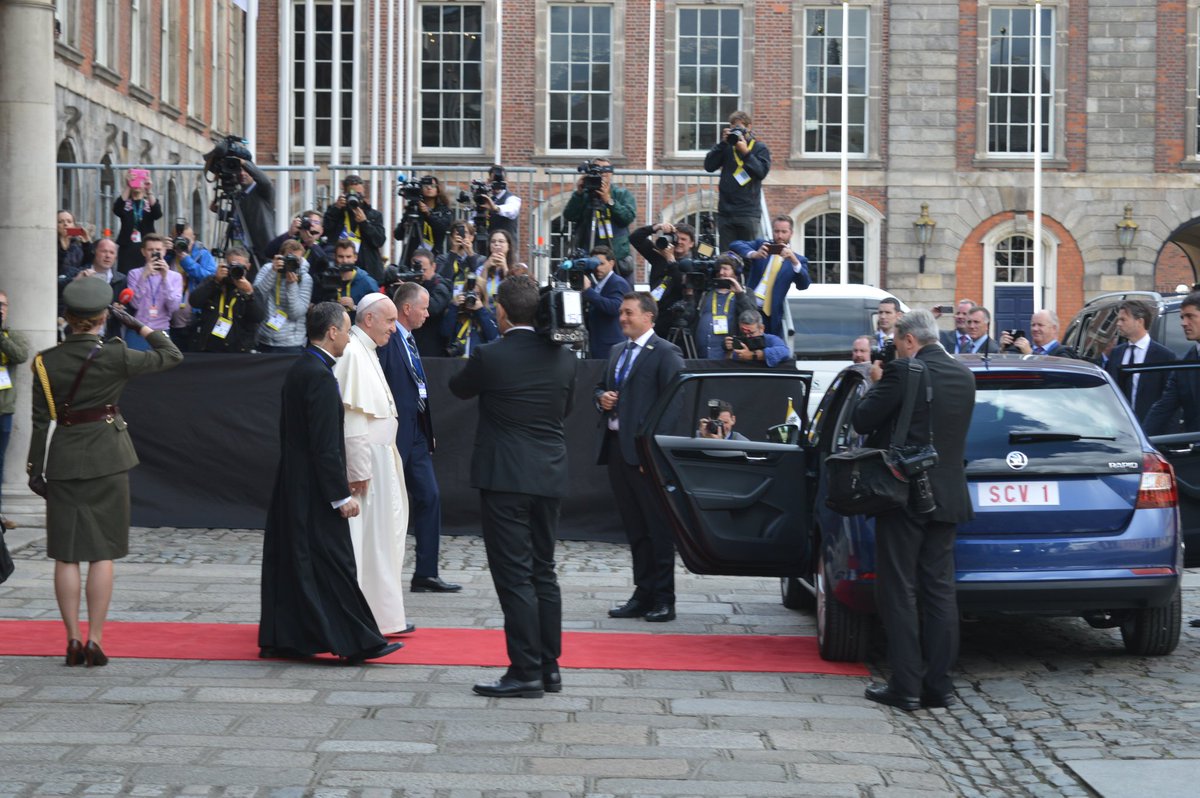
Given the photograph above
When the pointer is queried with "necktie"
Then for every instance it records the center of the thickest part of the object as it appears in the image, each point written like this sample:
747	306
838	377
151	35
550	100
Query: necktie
1037	350
623	364
418	372
964	344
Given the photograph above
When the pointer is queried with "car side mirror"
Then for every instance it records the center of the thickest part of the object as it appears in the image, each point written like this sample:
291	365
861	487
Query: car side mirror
784	433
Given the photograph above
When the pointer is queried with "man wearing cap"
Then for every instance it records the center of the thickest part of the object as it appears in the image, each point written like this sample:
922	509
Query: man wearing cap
355	283
373	465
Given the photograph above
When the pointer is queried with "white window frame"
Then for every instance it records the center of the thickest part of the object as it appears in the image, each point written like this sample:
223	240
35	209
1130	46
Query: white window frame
139	43
675	66
870	216
67	13
195	59
349	54
106	25
612	82
1048	296
169	73
487	57
868	67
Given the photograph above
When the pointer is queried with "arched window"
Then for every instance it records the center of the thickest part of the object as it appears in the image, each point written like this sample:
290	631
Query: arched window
108	192
822	247
68	180
197	218
173	209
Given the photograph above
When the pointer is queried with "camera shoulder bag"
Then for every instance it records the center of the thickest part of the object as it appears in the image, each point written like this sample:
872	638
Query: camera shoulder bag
867	481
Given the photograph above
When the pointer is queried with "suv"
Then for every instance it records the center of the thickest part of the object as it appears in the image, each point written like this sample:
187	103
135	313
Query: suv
1075	510
822	322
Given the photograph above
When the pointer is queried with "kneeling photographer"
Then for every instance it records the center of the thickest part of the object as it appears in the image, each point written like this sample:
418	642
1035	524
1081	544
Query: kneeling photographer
468	323
602	213
752	344
285	289
718	424
230	311
914	545
721	307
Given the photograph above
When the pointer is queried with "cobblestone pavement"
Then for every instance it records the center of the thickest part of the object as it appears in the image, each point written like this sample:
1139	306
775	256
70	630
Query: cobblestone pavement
1037	693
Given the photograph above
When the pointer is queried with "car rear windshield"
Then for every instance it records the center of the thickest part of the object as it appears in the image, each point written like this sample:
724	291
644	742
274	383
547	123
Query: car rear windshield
831	324
1041	414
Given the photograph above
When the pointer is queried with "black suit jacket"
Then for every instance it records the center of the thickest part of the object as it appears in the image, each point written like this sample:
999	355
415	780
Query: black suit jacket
1181	394
653	369
953	401
1151	385
525	385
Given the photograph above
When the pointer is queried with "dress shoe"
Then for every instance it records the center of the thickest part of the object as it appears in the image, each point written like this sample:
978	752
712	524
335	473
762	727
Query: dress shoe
1194	622
661	614
630	609
93	656
405	631
373	653
508	687
552	680
882	694
74	653
939	700
432	584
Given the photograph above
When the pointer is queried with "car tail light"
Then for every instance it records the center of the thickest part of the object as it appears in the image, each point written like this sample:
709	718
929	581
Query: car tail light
1158	483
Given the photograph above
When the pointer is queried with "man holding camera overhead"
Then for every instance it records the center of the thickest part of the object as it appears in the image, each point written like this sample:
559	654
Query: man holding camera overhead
351	218
285	290
744	162
230	310
602	212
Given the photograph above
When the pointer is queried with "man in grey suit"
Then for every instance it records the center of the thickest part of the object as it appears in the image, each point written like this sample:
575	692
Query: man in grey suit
914	552
524	384
638	372
979	321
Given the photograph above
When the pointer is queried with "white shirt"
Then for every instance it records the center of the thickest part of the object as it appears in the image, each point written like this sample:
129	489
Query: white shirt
1135	354
623	366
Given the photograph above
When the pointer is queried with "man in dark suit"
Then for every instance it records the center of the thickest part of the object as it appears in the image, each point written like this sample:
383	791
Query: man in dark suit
603	297
1182	393
1043	337
957	340
771	269
524	383
979	321
914	552
637	374
405	375
1134	319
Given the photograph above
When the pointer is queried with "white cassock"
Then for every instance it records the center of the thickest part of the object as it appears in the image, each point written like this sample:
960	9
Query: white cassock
379	531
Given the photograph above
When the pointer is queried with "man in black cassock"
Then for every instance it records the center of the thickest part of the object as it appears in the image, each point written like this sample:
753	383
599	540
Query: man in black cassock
311	602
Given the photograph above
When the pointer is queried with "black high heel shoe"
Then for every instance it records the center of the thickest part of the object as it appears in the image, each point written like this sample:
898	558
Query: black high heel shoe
74	653
93	656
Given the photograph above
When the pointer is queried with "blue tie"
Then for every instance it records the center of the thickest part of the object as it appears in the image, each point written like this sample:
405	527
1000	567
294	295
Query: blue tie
624	362
414	360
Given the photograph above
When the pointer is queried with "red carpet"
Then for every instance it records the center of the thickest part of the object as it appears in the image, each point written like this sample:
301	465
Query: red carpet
428	646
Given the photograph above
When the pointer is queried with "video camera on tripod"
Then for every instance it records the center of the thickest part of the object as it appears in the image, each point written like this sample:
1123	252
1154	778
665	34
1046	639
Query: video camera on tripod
574	269
699	274
593	175
224	163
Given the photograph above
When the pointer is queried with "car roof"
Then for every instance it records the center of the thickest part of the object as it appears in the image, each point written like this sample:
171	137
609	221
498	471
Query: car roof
1167	300
847	291
1028	363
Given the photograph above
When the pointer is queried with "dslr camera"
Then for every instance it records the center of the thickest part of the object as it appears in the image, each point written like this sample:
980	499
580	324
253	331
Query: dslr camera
291	264
470	298
665	241
735	135
754	344
713	425
887	354
593	175
236	272
354	200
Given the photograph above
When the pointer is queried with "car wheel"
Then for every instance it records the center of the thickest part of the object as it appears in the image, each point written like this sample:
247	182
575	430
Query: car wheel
842	635
795	595
1153	632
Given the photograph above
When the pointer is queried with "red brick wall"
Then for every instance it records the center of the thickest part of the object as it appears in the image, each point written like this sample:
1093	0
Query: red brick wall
1172	268
1076	81
968	43
1171	54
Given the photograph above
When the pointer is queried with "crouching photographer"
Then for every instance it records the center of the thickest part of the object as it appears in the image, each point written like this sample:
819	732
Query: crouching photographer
230	311
721	308
753	344
468	323
285	288
718	424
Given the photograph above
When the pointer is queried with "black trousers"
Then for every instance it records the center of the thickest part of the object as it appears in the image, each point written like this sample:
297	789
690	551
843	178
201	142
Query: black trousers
917	601
738	228
519	530
646	528
424	506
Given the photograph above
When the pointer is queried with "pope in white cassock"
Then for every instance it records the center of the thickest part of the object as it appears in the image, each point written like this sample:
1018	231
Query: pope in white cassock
373	465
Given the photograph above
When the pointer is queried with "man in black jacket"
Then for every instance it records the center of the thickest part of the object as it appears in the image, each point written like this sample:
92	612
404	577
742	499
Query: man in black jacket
524	384
1134	320
914	552
1182	393
744	162
352	218
230	312
255	206
666	284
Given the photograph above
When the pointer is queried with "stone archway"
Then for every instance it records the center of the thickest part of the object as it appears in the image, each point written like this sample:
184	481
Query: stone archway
1178	257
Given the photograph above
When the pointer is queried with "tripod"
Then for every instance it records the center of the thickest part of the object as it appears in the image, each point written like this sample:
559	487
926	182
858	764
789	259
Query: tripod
410	234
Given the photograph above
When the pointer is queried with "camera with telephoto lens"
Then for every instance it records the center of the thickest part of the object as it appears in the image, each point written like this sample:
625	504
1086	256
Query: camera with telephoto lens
236	272
713	425
182	244
470	299
887	354
698	274
665	241
593	175
291	263
736	134
354	200
754	343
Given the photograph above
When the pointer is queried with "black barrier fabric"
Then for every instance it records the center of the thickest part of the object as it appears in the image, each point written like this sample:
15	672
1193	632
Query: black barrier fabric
207	435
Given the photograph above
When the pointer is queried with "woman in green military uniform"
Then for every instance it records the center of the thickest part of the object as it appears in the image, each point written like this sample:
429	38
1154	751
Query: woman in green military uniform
83	472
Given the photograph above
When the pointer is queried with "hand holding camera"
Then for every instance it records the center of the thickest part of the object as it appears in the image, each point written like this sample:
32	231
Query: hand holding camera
1015	339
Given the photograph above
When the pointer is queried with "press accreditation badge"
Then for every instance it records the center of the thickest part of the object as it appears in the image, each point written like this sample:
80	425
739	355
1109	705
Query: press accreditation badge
153	311
277	320
741	177
657	293
5	379
720	325
222	327
136	237
421	390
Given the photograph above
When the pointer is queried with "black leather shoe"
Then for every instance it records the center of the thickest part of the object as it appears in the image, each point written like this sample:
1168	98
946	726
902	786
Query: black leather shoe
508	687
1194	622
374	653
432	584
630	609
882	694
943	700
552	680
661	614
412	627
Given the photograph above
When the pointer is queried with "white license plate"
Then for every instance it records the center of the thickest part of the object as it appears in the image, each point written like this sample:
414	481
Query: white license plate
1017	494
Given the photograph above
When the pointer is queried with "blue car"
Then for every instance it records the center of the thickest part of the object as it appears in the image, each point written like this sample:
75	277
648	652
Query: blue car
1075	512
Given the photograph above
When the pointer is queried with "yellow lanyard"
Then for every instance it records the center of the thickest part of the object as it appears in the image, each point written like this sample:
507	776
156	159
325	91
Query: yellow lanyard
221	309
347	286
427	234
351	232
277	291
738	159
4	357
463	333
724	310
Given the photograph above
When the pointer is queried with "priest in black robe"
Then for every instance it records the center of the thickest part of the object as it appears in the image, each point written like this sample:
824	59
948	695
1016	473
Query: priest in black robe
311	602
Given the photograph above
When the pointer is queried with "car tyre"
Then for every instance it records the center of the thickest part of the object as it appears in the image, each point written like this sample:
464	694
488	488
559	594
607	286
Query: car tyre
1153	632
795	595
842	635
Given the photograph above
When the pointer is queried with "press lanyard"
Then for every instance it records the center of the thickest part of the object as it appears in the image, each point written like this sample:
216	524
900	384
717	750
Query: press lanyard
232	302
725	309
351	232
739	174
427	234
464	337
346	287
604	228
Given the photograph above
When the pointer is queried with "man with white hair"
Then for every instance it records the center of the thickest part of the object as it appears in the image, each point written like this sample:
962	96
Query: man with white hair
373	466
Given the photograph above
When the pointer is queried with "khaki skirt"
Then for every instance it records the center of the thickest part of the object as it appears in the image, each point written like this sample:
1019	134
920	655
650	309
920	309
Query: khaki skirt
88	519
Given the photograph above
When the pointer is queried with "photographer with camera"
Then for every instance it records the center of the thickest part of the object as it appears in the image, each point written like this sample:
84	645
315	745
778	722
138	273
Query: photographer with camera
718	424
308	229
469	322
285	290
230	309
353	283
744	162
501	260
191	256
436	215
602	213
498	206
157	291
914	545
137	210
720	308
460	260
773	268
753	345
423	272
351	218
245	198
603	291
663	246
